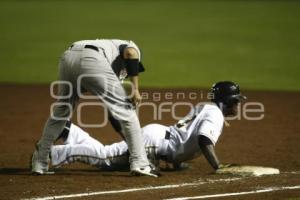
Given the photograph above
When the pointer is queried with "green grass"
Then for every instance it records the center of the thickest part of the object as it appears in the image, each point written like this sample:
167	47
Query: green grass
185	43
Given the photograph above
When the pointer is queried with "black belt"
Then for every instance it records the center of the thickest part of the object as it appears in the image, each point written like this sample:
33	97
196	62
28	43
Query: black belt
88	47
91	47
167	136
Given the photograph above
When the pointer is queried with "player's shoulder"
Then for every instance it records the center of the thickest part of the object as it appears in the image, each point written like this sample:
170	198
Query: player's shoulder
212	107
213	111
126	44
120	41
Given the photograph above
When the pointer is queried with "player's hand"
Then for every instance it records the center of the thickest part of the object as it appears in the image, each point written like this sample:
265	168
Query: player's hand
137	98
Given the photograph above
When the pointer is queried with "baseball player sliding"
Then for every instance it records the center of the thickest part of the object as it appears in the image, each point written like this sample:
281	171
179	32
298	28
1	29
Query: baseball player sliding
196	133
97	66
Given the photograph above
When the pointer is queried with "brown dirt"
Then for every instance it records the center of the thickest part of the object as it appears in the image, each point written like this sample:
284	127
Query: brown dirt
273	141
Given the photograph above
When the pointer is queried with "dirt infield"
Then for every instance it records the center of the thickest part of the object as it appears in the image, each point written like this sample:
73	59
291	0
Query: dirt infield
272	141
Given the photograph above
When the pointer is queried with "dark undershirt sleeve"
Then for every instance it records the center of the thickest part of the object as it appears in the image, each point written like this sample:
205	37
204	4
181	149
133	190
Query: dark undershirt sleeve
132	67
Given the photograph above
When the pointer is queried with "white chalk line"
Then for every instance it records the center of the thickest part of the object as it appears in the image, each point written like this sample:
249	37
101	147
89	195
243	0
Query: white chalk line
144	189
133	189
272	189
295	172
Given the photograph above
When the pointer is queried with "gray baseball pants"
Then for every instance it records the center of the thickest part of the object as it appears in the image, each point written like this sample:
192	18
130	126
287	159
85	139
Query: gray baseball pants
89	70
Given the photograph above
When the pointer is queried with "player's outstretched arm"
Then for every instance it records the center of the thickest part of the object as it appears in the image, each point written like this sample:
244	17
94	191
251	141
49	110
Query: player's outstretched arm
208	151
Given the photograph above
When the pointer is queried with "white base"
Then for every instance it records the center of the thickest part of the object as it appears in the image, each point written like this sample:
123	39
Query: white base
248	170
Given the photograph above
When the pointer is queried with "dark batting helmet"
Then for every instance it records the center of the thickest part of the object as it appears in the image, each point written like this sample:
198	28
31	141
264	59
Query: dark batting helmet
226	92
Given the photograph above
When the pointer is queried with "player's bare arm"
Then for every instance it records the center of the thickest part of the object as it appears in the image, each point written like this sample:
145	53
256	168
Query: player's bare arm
137	98
131	57
208	151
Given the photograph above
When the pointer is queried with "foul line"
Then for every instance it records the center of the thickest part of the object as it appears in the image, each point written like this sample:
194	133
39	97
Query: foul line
272	189
133	189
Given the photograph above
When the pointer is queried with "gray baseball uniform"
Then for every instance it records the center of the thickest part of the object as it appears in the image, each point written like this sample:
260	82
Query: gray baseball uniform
95	70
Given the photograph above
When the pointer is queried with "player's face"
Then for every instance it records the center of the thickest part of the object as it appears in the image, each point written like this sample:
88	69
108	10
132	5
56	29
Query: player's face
231	111
234	109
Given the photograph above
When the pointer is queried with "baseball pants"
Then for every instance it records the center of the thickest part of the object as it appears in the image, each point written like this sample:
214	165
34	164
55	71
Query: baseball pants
89	70
81	147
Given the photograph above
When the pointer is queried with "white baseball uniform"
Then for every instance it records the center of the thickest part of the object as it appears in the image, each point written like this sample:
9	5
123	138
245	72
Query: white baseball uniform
173	144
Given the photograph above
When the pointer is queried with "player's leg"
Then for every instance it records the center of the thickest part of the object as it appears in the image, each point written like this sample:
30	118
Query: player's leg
95	154
78	146
105	84
60	114
77	136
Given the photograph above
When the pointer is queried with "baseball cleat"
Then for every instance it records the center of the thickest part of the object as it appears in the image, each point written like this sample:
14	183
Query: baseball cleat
38	167
42	173
147	171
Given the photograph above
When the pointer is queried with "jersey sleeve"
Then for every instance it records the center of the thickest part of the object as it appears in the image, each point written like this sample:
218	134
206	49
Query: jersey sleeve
134	66
212	125
131	44
192	114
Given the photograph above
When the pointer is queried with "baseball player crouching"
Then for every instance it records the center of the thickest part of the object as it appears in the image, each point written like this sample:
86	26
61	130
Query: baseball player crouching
97	66
196	133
